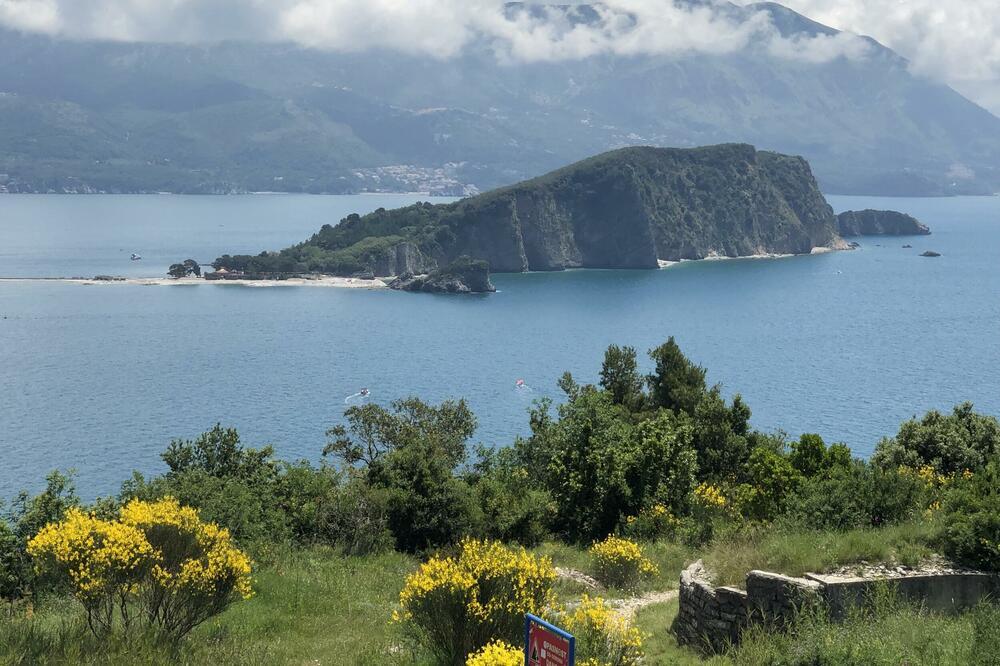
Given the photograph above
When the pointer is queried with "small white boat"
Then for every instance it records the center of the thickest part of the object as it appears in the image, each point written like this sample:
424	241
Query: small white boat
135	257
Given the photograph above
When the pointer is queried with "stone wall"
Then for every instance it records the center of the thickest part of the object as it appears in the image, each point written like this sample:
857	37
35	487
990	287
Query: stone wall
710	618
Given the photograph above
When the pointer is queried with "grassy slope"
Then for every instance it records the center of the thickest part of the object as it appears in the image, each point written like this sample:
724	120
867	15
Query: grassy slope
315	607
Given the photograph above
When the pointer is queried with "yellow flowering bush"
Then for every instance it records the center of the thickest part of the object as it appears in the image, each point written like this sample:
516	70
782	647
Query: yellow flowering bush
158	557
603	637
653	523
456	605
709	496
101	560
620	563
497	653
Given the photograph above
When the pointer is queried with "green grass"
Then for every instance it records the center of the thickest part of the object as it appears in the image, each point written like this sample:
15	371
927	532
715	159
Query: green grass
795	552
310	607
890	634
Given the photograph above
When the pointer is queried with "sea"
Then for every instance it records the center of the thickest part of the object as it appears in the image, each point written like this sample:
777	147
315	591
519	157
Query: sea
98	379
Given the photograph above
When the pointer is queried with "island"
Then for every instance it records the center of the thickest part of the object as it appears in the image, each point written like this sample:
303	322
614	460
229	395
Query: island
632	208
879	223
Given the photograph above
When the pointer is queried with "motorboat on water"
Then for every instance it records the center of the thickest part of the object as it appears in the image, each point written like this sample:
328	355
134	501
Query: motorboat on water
135	257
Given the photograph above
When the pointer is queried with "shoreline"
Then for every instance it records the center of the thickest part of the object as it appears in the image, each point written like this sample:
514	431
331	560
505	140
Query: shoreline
332	281
329	281
665	263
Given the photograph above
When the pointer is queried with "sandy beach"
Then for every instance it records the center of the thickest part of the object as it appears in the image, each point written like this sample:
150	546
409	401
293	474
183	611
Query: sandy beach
324	281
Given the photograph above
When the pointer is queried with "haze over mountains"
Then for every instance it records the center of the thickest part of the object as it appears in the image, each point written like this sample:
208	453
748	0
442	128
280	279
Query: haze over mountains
116	116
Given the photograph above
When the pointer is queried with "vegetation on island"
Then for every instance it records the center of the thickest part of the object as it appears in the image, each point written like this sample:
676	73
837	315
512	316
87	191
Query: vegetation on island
186	268
405	544
626	208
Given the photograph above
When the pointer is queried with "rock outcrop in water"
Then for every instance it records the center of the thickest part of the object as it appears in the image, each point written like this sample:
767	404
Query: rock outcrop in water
879	223
629	208
463	276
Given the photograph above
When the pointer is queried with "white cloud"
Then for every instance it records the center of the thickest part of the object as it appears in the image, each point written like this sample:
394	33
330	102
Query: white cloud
441	28
955	41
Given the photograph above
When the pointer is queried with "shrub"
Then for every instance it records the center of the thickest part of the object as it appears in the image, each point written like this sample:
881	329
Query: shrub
651	524
709	507
497	653
600	467
456	605
603	637
355	519
972	532
952	443
861	495
197	571
411	452
620	563
103	561
159	557
512	510
771	480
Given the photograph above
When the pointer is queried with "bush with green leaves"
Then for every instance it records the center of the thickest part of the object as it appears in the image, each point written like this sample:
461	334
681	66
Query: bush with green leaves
411	452
601	467
231	485
971	516
29	514
513	509
771	481
950	443
858	495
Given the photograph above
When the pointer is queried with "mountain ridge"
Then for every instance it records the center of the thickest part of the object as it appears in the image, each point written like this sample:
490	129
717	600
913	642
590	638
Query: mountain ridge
81	116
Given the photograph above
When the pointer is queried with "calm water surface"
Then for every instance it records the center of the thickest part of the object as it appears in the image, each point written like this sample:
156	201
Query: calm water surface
100	378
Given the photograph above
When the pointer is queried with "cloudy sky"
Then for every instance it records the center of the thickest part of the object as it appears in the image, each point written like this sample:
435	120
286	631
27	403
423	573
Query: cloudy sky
955	41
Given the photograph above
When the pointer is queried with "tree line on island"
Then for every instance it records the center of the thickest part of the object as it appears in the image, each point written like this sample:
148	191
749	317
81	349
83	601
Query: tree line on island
646	458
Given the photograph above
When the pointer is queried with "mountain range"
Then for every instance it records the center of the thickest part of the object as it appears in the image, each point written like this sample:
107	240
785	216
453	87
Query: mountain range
86	116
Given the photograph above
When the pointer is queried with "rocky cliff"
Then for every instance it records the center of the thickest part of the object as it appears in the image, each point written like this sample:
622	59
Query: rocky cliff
879	223
463	276
628	208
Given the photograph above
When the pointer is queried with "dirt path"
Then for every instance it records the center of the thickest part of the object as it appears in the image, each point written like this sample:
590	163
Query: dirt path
627	608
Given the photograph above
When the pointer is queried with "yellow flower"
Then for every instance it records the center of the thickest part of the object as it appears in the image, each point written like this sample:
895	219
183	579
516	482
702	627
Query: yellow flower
497	653
154	549
487	585
621	562
709	496
606	635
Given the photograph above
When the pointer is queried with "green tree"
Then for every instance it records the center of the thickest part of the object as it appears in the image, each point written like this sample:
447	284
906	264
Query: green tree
676	383
620	377
600	467
962	440
808	454
972	519
411	453
232	485
721	435
771	481
184	269
513	508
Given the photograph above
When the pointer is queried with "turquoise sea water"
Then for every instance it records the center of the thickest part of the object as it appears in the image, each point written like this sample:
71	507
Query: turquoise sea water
100	378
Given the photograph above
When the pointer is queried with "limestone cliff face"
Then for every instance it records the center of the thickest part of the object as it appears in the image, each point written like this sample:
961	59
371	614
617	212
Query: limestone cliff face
402	258
632	207
879	223
463	276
